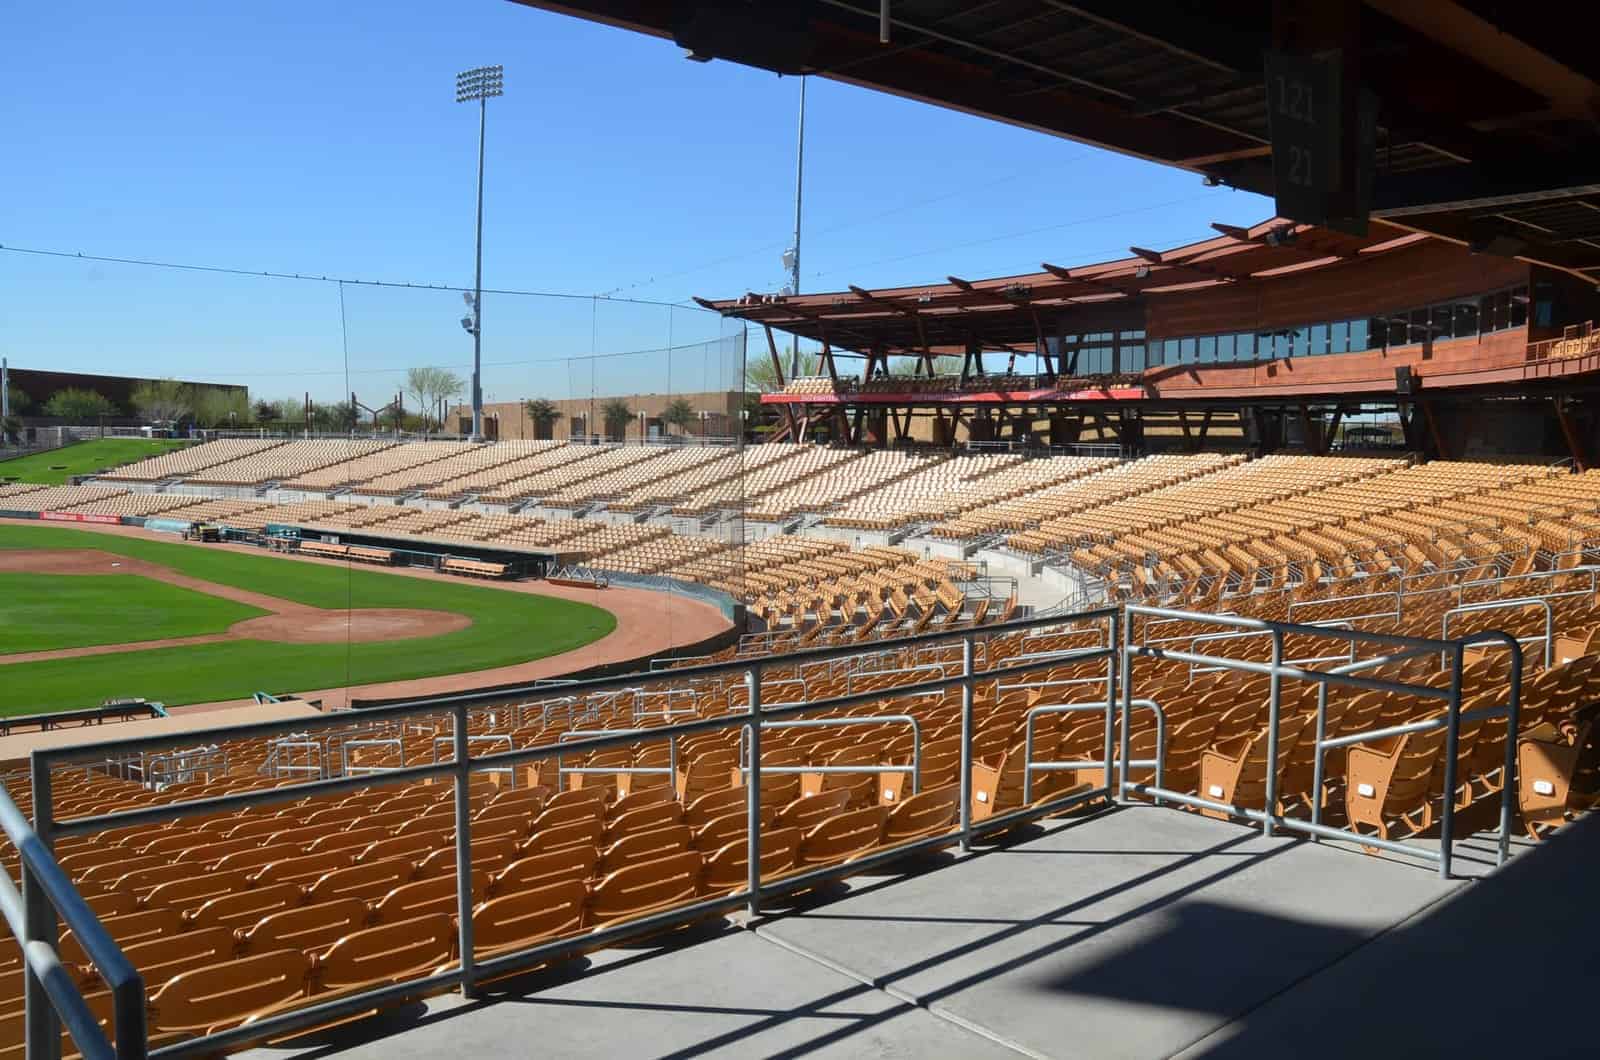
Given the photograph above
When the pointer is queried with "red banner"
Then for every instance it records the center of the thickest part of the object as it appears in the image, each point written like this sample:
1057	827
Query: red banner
80	517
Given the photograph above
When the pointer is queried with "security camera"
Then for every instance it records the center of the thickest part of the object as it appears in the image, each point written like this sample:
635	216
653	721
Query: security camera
467	325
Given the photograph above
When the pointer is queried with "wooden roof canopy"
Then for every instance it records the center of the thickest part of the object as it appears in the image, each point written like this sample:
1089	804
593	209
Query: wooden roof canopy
1488	122
1014	312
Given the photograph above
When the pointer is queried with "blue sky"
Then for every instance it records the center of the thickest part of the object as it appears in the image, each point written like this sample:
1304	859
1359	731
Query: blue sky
323	138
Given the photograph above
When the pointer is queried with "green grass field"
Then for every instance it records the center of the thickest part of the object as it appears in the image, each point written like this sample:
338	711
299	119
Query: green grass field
44	612
506	628
83	458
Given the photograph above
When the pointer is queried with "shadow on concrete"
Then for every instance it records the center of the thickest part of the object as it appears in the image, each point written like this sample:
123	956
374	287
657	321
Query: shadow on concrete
1501	967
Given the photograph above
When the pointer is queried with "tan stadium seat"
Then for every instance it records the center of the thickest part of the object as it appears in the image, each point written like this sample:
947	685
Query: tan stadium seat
225	995
645	886
426	897
306	927
569	864
526	918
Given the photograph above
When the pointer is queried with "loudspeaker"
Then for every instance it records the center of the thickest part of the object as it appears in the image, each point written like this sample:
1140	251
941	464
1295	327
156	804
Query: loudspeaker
1405	382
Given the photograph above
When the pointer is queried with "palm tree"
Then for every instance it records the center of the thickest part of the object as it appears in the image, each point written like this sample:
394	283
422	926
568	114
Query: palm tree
544	415
616	415
680	414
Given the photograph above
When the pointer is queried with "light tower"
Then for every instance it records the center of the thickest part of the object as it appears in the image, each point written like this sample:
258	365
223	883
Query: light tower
479	84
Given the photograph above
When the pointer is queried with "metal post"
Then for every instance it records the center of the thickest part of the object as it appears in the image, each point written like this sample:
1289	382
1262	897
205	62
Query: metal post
752	792
1110	743
799	184
1122	621
966	743
1452	738
463	781
1509	766
1316	766
43	1026
477	290
1274	702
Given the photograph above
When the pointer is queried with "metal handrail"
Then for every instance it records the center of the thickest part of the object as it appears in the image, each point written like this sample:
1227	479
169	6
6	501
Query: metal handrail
1029	765
1346	676
1495	605
50	995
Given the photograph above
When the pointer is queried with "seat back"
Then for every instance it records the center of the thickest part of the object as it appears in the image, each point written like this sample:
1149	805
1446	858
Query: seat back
367	882
590	832
924	814
644	886
226	994
569	864
426	897
843	836
159	959
643	846
308	927
388	953
526	918
728	868
245	907
805	812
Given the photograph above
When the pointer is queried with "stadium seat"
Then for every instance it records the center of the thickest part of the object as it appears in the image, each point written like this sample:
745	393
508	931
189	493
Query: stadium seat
226	994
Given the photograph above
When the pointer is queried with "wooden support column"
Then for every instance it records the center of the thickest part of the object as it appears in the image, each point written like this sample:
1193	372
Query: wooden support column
1188	439
1333	429
1574	443
1205	428
1433	431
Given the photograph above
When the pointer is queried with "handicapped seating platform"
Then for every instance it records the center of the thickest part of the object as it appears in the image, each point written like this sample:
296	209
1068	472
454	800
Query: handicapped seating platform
1138	932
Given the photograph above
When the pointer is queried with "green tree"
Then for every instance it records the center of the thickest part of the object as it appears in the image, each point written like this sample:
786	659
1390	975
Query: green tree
616	415
19	400
11	429
680	414
543	414
75	404
216	406
760	376
339	416
163	401
431	385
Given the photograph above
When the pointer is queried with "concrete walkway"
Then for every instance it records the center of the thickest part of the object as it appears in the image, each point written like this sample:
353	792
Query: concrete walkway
1136	933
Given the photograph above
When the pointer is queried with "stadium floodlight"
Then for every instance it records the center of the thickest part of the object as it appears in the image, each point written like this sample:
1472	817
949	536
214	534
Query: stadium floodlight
479	85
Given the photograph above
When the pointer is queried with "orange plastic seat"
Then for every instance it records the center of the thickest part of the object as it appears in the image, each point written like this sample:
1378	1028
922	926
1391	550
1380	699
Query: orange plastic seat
569	864
367	881
224	995
426	897
645	886
159	959
306	927
245	907
526	918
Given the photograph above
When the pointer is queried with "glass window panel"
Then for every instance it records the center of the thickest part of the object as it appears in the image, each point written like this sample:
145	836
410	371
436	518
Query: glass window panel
1133	357
1464	324
1244	347
1442	319
1208	349
1519	307
1319	339
1359	336
1170	351
1186	350
1224	348
1419	326
1300	341
1339	336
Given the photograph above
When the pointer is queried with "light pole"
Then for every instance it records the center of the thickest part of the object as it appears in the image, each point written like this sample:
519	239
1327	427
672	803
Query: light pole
792	258
480	84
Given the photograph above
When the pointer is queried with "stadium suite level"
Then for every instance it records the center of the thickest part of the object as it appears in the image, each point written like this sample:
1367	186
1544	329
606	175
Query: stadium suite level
1277	331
